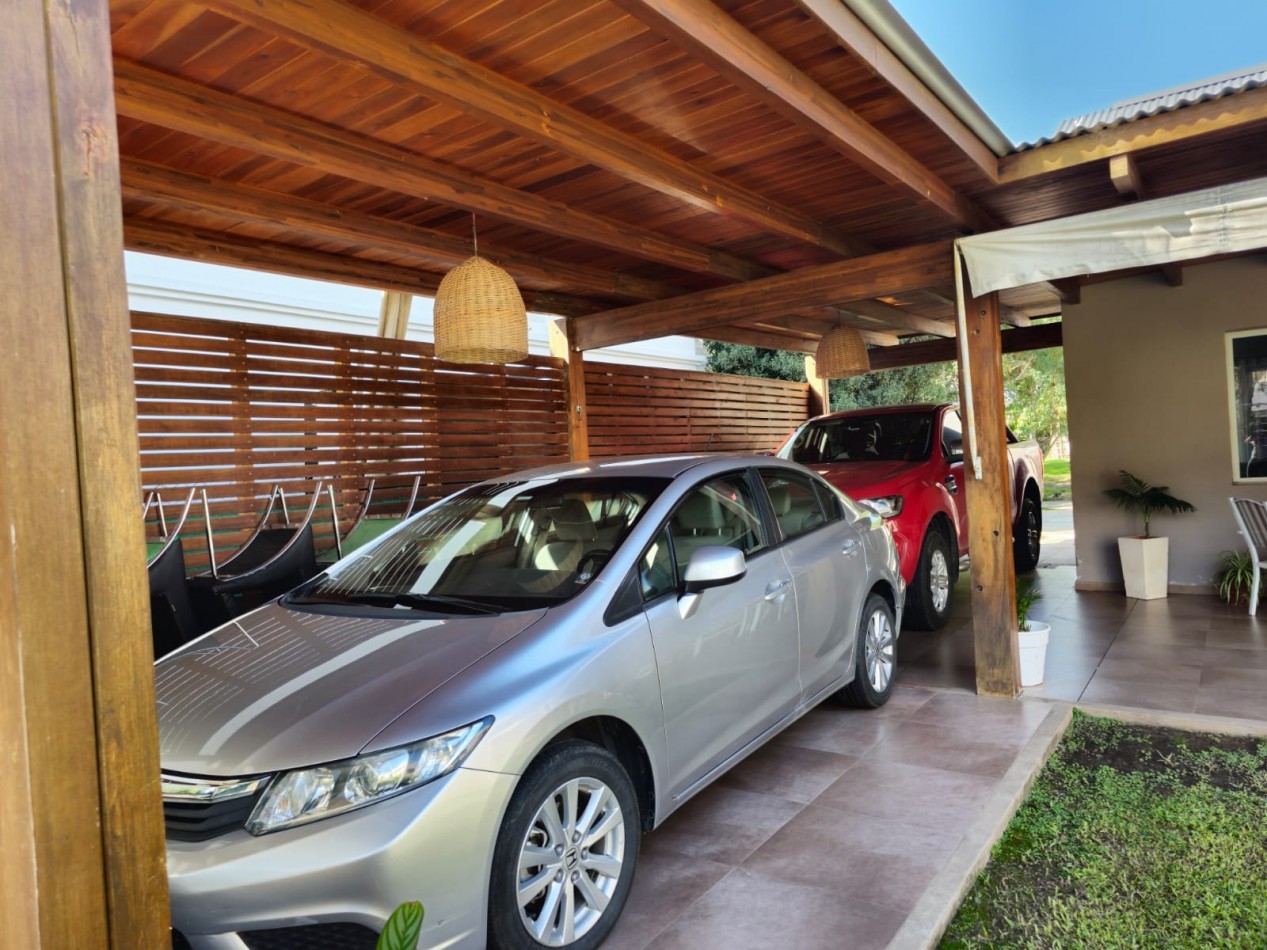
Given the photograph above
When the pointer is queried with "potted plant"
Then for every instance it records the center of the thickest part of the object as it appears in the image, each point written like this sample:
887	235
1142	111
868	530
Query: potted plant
1031	636
1235	576
1145	559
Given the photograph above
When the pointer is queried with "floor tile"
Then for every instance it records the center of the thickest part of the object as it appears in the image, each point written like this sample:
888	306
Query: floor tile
722	824
915	794
665	885
789	772
1239	704
918	743
1144	695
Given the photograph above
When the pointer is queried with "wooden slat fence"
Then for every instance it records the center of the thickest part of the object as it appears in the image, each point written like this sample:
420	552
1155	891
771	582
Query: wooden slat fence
637	409
237	408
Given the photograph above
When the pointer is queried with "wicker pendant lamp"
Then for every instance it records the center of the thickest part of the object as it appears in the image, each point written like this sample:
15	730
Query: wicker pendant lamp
479	314
842	353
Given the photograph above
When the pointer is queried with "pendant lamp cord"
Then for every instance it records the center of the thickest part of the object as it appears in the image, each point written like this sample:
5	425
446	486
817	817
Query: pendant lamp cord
475	238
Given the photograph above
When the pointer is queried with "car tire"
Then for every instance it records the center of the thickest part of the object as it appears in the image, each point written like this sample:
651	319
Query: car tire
928	599
580	890
875	657
1027	536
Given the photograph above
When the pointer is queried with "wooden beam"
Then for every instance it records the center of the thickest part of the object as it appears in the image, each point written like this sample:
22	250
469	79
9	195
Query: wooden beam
218	248
762	339
989	506
563	347
410	60
855	36
83	862
819	391
1038	337
835	284
713	37
172	103
1013	318
1124	174
1068	289
1172	274
897	318
1225	114
195	193
393	314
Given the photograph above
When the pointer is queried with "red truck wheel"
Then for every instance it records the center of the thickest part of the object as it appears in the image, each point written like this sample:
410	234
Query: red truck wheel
928	597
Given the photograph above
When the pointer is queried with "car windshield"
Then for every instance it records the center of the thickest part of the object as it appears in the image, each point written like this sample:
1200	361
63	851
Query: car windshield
504	546
896	436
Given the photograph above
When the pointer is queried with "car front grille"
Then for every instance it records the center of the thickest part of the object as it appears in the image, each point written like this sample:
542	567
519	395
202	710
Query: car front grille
197	808
312	937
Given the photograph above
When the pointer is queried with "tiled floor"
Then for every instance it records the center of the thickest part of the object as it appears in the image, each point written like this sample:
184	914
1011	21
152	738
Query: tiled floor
830	836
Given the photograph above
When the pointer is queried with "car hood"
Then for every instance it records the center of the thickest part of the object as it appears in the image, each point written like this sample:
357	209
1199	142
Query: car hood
868	479
282	688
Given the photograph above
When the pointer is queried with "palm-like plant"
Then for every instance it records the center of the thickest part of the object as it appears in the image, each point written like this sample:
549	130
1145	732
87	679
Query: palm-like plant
1135	494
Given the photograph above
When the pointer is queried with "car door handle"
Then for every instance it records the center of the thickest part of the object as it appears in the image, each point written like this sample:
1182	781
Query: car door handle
850	548
777	589
952	484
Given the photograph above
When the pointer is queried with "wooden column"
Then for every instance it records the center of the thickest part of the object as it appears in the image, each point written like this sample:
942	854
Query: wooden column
82	863
393	315
563	346
819	397
989	510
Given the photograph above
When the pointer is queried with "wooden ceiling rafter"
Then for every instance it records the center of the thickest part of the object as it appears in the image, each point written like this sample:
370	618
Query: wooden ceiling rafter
350	35
715	38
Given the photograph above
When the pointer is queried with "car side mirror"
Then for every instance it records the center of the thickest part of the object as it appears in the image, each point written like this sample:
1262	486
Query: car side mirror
713	565
954	450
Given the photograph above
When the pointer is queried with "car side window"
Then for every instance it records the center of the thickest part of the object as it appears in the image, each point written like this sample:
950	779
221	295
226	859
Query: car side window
655	568
795	503
720	511
952	436
833	507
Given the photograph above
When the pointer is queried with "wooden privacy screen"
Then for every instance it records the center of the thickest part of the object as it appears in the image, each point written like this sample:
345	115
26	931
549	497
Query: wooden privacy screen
237	408
637	409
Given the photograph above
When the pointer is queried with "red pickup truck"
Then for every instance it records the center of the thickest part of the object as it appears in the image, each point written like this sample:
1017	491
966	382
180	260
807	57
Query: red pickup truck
906	462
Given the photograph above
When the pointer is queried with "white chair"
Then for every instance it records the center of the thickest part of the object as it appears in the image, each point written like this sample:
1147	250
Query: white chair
1251	522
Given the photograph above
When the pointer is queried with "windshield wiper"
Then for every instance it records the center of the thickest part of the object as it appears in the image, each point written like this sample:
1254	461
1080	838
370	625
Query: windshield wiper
416	601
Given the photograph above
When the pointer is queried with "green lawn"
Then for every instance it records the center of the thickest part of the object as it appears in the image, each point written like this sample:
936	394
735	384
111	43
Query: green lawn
1132	836
1055	479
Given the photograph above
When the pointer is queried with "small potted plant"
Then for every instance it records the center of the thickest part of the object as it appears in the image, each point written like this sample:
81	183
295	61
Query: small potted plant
1031	635
1145	559
1235	576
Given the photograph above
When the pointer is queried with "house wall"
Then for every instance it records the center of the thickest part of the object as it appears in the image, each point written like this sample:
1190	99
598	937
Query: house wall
1147	388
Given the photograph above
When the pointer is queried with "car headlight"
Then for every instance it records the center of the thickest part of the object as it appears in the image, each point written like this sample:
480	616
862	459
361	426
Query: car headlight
304	795
887	506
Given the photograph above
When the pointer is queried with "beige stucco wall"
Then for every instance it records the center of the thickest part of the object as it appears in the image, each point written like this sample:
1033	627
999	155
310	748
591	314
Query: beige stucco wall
1146	381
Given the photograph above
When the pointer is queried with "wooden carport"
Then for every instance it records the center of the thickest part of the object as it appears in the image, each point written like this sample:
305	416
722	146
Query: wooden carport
749	171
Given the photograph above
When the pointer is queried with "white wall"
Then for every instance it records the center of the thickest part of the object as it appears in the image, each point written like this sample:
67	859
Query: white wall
194	289
1147	388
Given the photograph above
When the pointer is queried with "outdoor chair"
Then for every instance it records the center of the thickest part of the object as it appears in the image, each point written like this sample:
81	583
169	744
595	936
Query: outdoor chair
273	560
1251	522
173	620
382	508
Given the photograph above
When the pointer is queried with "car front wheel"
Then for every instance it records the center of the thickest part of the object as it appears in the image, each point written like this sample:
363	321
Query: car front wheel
875	657
1027	536
565	855
928	599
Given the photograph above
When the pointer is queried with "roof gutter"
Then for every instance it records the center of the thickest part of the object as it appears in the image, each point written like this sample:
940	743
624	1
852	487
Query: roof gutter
895	33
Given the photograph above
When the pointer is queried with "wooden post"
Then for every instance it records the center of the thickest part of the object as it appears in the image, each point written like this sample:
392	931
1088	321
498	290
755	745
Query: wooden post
83	862
989	508
393	315
563	346
819	395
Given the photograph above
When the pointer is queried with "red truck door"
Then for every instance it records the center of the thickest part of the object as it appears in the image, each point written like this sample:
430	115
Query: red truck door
952	451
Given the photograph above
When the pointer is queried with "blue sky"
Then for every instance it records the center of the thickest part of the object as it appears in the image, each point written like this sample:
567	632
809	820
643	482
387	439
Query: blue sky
1031	63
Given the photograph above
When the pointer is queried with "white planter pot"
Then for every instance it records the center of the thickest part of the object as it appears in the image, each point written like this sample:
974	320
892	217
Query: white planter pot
1145	566
1032	648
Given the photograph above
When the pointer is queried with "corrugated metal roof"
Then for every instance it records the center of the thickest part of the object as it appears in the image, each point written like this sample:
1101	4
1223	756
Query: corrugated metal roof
1165	101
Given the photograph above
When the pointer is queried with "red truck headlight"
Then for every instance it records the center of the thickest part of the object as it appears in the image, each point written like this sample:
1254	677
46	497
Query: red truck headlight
886	506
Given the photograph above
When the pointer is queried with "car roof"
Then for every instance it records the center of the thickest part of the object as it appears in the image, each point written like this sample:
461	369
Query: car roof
884	410
648	466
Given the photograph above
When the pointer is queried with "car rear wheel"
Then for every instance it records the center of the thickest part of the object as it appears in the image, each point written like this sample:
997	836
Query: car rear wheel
875	657
565	855
928	599
1027	535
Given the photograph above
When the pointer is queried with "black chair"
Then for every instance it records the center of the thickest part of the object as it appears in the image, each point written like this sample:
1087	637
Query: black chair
273	560
380	511
173	620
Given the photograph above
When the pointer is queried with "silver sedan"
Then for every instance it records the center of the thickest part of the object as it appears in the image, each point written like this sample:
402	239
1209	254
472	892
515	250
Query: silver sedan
486	708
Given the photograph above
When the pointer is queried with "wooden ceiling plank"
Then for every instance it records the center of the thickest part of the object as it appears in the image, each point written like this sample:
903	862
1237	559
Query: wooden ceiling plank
712	36
219	248
196	193
854	35
1037	337
825	285
351	35
1124	173
900	319
1173	274
763	339
1218	115
1068	289
172	103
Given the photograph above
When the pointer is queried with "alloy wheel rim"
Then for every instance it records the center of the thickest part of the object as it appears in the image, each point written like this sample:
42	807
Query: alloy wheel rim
570	862
879	650
1031	533
939	580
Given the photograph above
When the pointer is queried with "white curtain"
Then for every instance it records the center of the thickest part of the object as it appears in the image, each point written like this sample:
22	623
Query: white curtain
1145	233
